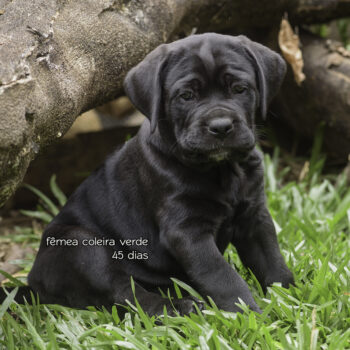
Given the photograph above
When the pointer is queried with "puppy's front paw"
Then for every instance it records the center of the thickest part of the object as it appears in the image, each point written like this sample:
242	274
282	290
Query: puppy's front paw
285	277
187	305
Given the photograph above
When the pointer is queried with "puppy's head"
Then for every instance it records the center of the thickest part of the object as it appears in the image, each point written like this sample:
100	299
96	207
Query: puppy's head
204	91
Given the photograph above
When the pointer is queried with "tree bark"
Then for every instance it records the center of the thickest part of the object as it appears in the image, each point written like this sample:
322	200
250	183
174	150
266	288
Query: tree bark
324	96
59	58
319	11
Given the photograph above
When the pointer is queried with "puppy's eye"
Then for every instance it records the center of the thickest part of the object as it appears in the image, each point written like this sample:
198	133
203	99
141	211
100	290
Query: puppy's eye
188	95
239	89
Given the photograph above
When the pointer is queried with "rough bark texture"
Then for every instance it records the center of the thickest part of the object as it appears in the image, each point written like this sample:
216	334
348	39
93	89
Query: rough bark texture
319	11
323	96
59	58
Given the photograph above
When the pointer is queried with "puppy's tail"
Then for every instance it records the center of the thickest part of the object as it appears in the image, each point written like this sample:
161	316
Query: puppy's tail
23	294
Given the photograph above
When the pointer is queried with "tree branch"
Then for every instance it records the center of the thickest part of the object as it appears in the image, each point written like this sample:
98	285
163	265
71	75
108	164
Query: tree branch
60	58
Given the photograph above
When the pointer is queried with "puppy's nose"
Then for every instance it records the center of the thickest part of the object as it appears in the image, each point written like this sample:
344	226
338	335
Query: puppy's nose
220	127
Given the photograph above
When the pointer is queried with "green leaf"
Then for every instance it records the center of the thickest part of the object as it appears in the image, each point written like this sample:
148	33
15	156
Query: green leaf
46	200
45	217
187	288
7	302
59	195
14	280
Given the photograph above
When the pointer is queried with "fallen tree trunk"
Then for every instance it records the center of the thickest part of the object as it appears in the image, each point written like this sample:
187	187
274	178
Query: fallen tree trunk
60	58
319	11
324	96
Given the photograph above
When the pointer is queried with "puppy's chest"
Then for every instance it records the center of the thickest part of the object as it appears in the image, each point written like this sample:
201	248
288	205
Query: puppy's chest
233	187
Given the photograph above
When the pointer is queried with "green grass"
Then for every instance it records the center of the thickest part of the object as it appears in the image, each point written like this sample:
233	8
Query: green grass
312	218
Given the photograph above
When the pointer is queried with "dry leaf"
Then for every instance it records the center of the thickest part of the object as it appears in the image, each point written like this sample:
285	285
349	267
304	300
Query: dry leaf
289	44
304	171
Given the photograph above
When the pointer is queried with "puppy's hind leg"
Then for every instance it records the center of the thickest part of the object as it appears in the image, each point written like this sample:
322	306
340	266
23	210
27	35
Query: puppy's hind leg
66	271
83	275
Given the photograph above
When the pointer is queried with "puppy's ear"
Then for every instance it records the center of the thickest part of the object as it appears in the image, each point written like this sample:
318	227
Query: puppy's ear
143	84
270	69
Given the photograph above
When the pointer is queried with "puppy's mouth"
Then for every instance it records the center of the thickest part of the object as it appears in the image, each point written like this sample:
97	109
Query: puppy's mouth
219	155
216	154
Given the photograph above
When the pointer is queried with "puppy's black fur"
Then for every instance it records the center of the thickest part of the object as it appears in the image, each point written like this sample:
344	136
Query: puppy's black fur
190	183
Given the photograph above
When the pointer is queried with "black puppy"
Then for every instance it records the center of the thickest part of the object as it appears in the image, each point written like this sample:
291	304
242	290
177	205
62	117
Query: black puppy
169	202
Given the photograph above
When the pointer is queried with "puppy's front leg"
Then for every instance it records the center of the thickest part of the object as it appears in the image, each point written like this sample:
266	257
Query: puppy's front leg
206	268
257	246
